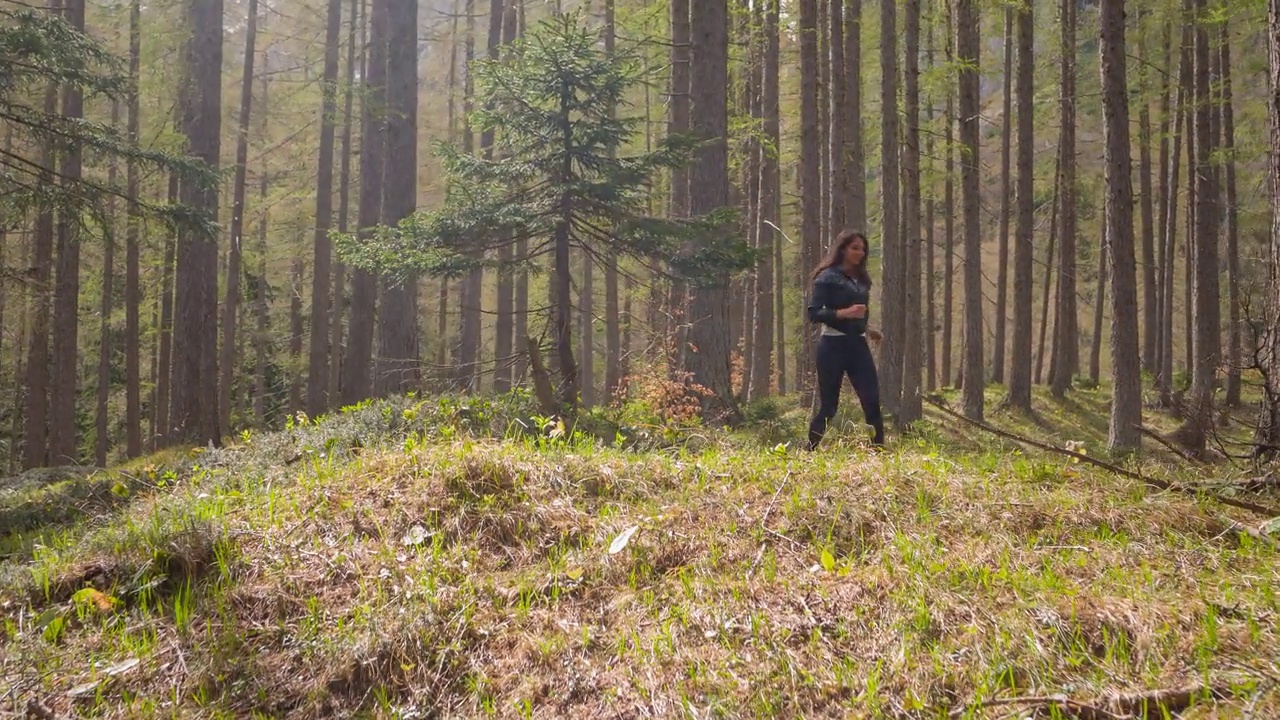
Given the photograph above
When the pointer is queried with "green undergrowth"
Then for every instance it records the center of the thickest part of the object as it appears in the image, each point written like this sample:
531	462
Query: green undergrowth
444	558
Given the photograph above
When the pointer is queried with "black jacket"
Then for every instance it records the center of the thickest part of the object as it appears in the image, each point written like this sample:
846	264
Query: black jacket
832	291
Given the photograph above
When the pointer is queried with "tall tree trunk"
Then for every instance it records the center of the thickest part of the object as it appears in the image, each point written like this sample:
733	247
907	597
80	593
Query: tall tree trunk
63	435
373	138
102	432
1205	341
355	13
521	302
473	284
1150	304
19	373
827	188
678	122
398	310
234	252
1125	433
1066	326
1268	435
164	354
930	269
856	202
767	201
132	284
893	285
1189	240
262	336
1232	217
949	213
1162	201
35	435
748	105
194	405
1099	303
1006	136
1024	240
505	319
771	182
296	273
967	44
911	408
709	353
321	265
810	184
1048	264
1164	379
838	136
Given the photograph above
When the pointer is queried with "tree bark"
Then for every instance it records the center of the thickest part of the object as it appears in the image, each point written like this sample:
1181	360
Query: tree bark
1163	257
505	318
1205	342
678	122
262	336
1232	218
1048	265
767	204
1150	314
398	309
321	264
296	273
1125	431
102	432
838	135
1268	435
1099	303
810	181
709	352
355	14
911	408
967	44
164	353
893	283
949	213
364	285
856	202
35	435
63	434
194	405
1066	326
1006	136
1024	240
930	272
1164	380
132	284
234	252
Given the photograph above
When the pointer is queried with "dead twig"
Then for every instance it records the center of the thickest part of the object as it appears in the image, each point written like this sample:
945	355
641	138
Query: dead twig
1115	469
1116	706
1169	445
1064	704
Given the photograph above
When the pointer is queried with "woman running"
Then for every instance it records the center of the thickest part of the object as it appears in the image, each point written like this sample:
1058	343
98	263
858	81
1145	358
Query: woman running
839	298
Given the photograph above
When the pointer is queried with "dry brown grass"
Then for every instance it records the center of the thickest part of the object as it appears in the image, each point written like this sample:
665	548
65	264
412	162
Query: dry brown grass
475	578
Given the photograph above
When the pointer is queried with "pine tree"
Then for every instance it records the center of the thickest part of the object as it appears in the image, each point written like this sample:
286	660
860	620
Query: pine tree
556	181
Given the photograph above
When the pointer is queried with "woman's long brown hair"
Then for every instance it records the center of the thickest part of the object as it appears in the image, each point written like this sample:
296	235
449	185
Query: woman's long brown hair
835	256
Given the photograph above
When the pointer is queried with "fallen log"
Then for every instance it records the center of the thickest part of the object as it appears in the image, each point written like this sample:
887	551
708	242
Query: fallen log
1109	467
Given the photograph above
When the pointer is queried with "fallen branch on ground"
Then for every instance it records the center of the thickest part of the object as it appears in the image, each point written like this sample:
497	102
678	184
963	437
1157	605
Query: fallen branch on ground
1153	703
1170	446
1153	482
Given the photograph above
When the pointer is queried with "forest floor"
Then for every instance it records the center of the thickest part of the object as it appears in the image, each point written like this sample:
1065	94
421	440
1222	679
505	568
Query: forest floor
431	558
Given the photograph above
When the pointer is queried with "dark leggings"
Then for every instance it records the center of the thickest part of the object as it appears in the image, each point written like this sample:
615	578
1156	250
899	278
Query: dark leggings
837	356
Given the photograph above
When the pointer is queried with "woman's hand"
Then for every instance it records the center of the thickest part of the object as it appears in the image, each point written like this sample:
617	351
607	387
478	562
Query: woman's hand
852	312
875	335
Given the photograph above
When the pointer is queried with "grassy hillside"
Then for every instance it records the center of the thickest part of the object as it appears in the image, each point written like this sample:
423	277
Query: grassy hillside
423	559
